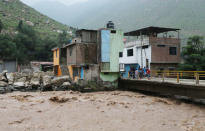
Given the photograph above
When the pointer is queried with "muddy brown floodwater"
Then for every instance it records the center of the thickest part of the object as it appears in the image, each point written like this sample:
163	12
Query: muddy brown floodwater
99	111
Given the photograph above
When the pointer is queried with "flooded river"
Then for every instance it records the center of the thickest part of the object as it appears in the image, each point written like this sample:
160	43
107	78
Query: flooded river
99	111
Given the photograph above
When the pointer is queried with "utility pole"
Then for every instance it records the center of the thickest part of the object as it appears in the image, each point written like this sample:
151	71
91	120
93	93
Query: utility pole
141	50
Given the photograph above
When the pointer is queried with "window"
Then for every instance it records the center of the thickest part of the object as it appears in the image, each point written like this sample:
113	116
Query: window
122	67
113	31
160	45
70	50
172	51
120	54
145	46
87	67
130	52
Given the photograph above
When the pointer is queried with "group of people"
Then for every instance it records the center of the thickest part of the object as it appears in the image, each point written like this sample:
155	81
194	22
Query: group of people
139	73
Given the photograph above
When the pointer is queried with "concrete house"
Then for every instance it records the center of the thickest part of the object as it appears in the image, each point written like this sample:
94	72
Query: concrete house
82	55
156	48
110	44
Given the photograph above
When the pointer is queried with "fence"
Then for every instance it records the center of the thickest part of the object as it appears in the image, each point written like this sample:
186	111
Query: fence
196	75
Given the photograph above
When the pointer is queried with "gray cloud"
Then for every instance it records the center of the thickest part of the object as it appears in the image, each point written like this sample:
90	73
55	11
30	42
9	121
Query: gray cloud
66	2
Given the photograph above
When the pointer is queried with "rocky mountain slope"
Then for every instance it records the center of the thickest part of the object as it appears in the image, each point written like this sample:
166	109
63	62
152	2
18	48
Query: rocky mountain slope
12	11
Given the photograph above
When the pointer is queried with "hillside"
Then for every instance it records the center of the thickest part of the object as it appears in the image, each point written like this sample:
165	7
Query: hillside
187	15
12	11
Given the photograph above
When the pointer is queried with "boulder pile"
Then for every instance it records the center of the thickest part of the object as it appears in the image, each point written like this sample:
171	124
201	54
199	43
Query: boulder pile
43	81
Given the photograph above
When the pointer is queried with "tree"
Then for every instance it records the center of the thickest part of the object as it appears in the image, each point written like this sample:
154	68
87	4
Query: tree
43	49
63	38
1	26
26	42
32	47
194	54
7	48
19	27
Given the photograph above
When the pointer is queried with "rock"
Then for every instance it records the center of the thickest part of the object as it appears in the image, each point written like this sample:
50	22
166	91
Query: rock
30	23
46	80
3	76
19	84
10	77
27	71
66	84
2	90
3	84
58	99
58	81
35	80
22	79
48	73
8	89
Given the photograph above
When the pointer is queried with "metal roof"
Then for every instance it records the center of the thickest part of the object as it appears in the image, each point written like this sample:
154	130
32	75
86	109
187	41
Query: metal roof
149	30
42	63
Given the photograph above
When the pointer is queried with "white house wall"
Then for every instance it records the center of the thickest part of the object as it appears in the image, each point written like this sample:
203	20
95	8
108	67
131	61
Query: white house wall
138	42
136	58
146	54
129	59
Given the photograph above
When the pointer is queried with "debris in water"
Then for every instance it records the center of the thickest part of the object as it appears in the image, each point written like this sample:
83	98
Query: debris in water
21	98
57	99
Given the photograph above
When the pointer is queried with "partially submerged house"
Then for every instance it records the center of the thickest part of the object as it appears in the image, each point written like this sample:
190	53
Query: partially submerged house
156	48
110	44
92	55
82	55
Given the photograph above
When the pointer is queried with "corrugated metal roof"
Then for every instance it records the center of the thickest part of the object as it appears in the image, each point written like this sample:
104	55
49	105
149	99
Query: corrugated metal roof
149	30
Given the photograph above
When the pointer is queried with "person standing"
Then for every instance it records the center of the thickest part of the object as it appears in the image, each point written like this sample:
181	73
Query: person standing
140	73
136	74
144	72
148	72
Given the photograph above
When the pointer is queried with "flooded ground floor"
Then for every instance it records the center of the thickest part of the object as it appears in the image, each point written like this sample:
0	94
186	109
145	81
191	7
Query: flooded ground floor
99	111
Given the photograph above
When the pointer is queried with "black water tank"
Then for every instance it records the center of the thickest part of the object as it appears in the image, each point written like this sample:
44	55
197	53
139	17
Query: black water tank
110	25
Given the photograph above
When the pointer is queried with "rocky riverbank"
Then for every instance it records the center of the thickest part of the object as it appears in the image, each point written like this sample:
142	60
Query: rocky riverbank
37	81
46	81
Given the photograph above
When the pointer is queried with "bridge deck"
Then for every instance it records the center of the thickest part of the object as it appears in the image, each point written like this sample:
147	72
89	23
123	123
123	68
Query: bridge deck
174	80
186	87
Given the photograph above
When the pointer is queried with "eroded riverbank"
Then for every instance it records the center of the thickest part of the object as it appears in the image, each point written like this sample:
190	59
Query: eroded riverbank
106	111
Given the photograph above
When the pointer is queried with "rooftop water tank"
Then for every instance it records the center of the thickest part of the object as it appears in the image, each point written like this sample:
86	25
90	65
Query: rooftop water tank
110	25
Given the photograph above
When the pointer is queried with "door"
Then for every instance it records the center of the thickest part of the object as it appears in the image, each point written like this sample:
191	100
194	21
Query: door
82	73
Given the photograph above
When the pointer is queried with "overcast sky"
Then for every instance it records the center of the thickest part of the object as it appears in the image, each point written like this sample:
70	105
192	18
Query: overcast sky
66	2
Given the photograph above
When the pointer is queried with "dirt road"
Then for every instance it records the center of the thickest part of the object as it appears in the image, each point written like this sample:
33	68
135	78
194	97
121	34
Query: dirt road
101	111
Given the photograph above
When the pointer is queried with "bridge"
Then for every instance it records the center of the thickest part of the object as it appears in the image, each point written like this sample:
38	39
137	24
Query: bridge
182	83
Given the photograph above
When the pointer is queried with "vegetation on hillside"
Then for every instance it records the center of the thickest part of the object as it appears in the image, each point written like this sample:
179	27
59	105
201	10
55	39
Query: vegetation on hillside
26	45
26	35
12	11
1	26
194	55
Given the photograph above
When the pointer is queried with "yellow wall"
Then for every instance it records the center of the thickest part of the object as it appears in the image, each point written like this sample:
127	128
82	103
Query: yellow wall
59	71
70	69
56	57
